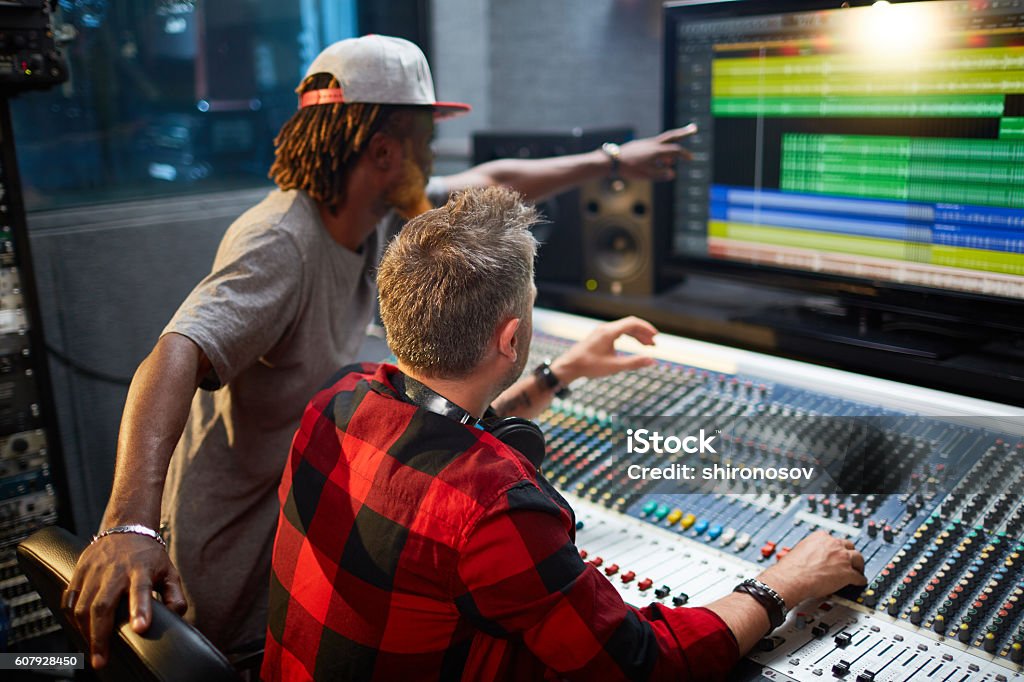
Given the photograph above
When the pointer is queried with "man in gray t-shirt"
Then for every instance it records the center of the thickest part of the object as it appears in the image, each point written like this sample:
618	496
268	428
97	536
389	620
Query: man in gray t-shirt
286	304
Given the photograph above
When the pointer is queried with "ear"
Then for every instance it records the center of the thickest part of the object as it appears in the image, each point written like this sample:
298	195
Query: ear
384	152
508	344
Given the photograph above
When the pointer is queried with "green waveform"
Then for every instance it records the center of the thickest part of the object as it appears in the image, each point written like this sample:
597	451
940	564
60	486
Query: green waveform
832	65
985	172
933	106
1011	128
952	256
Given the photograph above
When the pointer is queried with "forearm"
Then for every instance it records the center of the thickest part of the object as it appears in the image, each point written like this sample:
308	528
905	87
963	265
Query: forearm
154	416
528	397
537	179
746	617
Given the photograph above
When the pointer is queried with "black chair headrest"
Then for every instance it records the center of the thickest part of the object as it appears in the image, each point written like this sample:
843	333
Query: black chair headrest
170	651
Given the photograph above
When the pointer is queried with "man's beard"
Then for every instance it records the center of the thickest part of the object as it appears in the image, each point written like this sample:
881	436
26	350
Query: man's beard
409	196
524	335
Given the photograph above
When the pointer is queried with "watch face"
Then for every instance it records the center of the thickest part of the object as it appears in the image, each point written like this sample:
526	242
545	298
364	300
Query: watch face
546	376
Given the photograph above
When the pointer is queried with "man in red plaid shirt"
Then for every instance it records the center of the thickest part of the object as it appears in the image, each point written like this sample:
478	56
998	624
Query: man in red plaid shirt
413	544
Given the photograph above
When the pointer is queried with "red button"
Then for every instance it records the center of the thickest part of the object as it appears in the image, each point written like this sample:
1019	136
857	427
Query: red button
597	561
768	549
583	554
611	570
645	584
782	552
628	576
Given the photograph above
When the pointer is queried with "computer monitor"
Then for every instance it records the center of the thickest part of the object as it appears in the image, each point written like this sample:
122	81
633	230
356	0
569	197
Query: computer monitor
873	150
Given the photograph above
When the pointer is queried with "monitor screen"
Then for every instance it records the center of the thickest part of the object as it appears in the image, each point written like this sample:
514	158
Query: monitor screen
878	143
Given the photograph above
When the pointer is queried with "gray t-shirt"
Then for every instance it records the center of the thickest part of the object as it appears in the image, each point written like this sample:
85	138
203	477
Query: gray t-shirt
282	309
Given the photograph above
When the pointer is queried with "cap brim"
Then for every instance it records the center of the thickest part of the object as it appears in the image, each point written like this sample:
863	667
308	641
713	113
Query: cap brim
446	110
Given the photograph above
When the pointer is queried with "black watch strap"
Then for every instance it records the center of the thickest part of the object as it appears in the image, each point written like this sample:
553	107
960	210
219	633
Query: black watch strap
766	597
546	376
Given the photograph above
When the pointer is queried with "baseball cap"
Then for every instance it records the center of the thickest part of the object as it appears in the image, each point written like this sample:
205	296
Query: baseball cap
377	69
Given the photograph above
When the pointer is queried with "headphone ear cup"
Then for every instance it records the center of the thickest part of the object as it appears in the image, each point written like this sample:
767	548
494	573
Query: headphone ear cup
522	435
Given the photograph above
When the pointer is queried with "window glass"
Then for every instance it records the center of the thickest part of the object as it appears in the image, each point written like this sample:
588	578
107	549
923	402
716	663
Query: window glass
169	96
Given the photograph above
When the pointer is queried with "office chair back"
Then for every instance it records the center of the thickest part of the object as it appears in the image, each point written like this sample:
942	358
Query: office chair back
170	651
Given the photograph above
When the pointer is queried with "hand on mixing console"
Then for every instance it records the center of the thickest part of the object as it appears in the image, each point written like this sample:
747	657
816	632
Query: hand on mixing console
595	355
819	565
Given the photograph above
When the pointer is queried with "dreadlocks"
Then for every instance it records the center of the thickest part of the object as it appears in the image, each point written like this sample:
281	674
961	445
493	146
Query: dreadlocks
318	146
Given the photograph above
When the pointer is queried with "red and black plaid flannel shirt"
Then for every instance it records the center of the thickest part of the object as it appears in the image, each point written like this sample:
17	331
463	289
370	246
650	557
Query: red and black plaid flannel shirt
412	547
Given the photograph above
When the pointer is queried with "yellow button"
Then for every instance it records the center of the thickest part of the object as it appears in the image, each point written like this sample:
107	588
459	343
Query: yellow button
688	521
674	516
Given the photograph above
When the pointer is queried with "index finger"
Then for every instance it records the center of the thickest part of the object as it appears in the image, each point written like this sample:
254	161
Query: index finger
677	134
139	597
641	330
856	561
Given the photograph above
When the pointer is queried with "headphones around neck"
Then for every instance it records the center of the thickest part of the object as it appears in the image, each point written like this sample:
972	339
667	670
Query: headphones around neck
517	433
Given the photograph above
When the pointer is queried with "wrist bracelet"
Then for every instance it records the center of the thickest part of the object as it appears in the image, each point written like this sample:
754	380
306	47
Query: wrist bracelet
546	376
772	602
133	528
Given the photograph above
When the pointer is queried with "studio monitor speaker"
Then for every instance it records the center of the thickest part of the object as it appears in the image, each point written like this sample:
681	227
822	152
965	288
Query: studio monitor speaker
561	257
618	236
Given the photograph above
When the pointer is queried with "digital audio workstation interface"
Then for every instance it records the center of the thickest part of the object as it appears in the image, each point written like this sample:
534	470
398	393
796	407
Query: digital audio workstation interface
882	142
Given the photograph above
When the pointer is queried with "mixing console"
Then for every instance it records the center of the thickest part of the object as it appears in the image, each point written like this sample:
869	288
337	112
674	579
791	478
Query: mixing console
932	500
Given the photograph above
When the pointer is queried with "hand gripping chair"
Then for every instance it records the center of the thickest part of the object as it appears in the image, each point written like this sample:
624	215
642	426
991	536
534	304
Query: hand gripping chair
170	651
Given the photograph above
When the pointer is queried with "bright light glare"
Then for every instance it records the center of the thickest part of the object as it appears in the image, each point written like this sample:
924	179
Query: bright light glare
886	29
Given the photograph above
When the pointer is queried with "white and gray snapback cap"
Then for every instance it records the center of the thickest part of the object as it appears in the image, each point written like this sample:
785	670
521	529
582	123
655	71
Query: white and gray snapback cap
377	69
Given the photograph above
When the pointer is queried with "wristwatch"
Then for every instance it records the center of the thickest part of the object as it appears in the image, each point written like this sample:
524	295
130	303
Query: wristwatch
614	153
546	376
766	597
